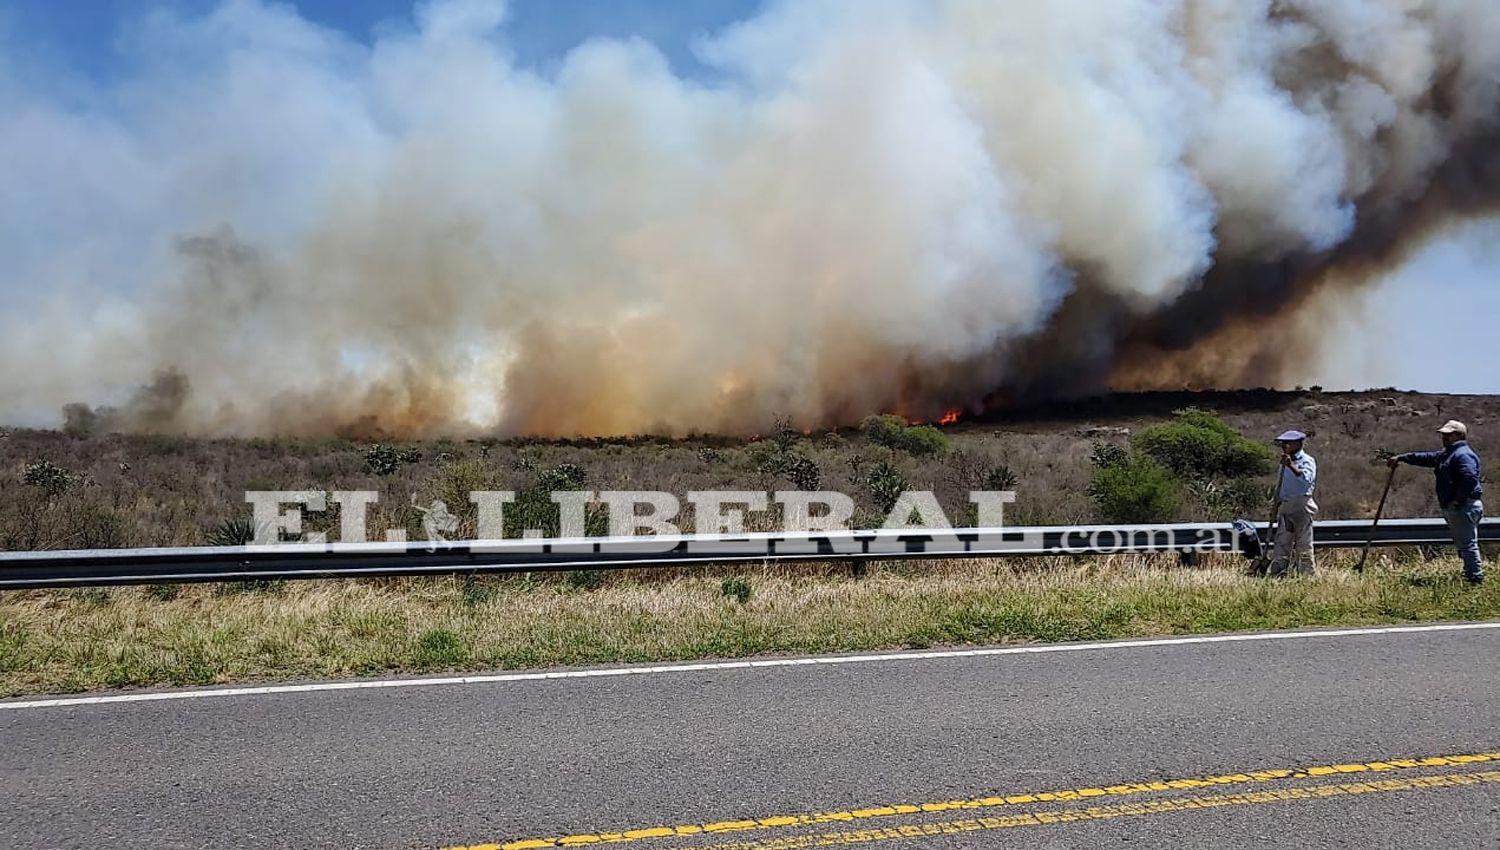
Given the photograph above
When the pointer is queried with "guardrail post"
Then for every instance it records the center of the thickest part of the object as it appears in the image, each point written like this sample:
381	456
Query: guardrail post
859	567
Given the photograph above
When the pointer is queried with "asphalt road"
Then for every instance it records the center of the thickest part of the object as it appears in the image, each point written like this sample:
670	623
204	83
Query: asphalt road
914	753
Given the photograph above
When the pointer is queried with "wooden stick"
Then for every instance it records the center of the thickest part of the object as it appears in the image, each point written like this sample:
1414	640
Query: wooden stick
1379	512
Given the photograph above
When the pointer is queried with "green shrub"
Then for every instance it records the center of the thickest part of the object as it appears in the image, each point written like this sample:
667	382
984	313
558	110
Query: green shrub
563	477
1234	497
1199	444
892	432
885	484
785	435
457	481
765	457
382	459
925	441
534	509
778	457
802	471
799	469
1137	490
736	588
48	477
885	430
1106	455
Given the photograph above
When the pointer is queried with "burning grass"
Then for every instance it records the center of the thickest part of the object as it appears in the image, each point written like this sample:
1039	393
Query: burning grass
54	642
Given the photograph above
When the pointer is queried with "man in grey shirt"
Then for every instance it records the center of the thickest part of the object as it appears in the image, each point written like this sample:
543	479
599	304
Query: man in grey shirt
1294	522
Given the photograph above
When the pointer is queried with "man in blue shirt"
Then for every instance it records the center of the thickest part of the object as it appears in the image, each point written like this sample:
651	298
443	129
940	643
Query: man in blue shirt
1458	490
1294	521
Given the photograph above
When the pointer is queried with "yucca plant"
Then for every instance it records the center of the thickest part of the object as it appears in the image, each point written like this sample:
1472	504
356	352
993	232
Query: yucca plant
239	531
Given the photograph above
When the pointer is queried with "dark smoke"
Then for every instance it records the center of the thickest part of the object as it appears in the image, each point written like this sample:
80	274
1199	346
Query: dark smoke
152	409
1239	313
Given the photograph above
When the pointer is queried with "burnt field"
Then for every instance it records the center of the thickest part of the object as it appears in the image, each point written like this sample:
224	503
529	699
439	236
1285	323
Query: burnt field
60	490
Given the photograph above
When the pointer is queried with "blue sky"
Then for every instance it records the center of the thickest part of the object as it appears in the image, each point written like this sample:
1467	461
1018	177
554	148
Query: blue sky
1438	311
81	33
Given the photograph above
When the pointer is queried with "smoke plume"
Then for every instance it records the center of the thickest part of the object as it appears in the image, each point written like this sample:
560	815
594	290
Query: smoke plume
874	205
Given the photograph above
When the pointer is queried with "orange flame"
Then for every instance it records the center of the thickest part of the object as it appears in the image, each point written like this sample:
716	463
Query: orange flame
949	418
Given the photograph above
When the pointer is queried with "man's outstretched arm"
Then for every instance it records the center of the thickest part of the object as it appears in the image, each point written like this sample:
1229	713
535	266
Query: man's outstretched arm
1423	459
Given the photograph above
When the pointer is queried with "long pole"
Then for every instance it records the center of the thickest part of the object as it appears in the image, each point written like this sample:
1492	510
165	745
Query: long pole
1379	512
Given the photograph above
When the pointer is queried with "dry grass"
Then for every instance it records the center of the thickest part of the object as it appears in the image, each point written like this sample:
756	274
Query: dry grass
157	491
86	640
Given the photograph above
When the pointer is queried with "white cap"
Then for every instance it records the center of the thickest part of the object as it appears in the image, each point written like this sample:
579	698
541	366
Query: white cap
1453	426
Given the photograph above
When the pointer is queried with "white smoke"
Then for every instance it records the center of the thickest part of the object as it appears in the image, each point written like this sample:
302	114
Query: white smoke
877	208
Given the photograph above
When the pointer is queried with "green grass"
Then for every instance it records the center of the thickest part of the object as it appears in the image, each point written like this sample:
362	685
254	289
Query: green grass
53	642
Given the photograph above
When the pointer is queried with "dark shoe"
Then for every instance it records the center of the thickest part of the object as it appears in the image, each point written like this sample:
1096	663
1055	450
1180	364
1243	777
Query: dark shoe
1474	580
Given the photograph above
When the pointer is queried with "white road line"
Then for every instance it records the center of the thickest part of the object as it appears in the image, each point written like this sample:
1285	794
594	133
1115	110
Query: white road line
828	660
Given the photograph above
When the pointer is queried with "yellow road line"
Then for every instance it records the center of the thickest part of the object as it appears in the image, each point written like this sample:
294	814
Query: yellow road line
979	803
1147	807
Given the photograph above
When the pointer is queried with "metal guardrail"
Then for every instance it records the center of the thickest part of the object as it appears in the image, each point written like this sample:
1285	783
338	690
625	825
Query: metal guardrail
101	567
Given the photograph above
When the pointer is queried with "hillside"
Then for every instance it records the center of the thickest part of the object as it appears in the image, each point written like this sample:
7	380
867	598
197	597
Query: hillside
125	490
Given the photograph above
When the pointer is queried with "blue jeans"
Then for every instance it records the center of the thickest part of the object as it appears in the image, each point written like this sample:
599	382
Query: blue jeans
1463	522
